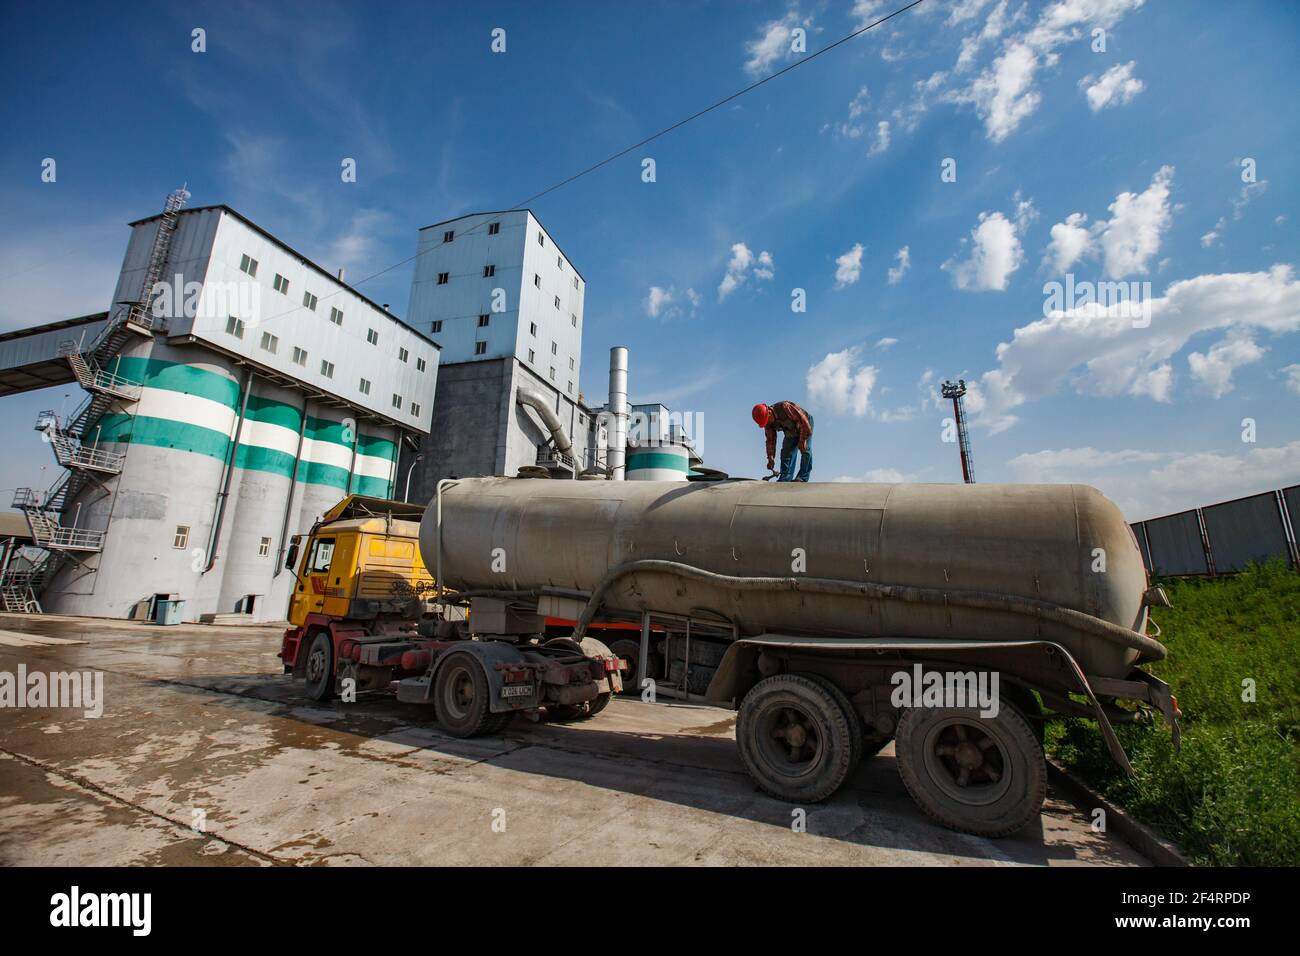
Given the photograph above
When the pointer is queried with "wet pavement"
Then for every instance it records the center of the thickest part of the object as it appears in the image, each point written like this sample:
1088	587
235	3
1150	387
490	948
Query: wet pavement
206	755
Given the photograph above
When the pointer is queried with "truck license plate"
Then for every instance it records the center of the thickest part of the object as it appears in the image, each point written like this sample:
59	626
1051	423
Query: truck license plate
517	690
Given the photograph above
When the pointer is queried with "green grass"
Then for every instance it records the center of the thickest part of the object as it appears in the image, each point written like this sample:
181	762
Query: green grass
1231	797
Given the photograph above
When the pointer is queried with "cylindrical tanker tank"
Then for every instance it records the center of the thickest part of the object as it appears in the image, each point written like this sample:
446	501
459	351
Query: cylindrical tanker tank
1043	545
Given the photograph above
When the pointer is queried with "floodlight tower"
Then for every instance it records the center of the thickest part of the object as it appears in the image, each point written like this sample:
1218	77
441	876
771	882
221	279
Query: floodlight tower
955	391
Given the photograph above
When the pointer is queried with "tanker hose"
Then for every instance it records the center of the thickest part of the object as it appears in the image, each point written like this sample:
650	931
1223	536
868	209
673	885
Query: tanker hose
979	600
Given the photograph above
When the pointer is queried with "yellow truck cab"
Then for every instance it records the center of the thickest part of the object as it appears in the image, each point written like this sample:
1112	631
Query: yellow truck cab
362	560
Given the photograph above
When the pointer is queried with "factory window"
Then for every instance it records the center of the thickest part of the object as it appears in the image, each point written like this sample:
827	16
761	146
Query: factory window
444	278
299	356
248	264
326	368
181	538
532	328
494	228
557	301
420	365
582	419
532	356
573	319
397	401
483	320
263	547
270	342
336	316
372	336
309	300
537	280
489	271
575	282
555	348
415	409
559	263
403	355
436	326
235	327
449	235
541	240
570	386
571	365
552	371
480	348
364	387
281	284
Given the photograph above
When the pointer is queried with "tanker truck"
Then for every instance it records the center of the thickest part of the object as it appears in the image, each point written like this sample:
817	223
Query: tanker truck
953	620
833	618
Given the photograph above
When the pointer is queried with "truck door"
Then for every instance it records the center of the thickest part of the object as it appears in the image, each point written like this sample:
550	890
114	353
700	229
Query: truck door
314	581
340	576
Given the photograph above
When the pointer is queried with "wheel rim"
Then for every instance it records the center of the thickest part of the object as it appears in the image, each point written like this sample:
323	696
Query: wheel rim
967	762
458	695
316	661
790	739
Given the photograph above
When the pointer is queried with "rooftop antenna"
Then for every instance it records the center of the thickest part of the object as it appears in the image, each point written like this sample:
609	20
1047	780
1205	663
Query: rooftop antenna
955	391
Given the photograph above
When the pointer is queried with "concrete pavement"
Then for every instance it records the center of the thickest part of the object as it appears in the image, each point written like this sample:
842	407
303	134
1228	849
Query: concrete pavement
207	755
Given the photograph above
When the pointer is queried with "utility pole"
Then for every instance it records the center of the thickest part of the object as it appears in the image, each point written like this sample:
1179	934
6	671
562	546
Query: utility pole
955	391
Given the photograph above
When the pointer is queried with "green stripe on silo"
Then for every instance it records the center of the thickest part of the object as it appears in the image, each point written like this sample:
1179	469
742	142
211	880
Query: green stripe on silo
640	461
376	446
163	433
324	429
376	487
274	412
256	458
178	377
315	473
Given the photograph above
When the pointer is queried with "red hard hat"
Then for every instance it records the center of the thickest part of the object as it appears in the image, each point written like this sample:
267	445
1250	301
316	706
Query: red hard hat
762	415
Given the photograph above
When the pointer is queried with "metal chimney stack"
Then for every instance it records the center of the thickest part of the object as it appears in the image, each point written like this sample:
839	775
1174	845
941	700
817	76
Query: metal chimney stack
617	450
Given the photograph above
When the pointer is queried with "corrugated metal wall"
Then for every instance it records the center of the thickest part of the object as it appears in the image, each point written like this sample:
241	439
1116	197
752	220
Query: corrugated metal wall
1223	537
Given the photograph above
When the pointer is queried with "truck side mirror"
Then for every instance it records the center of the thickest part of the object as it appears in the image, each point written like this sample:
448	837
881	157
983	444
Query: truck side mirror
291	558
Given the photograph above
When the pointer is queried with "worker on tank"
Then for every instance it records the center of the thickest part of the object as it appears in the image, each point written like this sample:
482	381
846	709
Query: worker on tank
796	425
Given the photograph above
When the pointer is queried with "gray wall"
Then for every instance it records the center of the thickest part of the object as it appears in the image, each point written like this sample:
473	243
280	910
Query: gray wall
1222	537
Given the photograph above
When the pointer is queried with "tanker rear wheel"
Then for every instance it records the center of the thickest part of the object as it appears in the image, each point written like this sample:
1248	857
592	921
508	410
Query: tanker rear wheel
795	738
981	775
630	651
319	669
461	695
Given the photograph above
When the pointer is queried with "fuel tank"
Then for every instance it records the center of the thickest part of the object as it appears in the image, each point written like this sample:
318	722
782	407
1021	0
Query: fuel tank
1063	544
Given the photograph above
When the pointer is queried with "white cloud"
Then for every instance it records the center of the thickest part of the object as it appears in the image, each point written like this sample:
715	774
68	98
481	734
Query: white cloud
773	43
841	383
1292	373
995	253
1116	87
1003	93
881	142
742	265
1148	484
884	476
1097	349
885	343
1070	241
1214	369
848	267
655	301
865	12
1132	236
904	259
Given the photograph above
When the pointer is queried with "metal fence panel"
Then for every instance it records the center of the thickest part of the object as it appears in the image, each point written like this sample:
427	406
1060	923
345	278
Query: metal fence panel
1139	532
1176	544
1292	497
1245	530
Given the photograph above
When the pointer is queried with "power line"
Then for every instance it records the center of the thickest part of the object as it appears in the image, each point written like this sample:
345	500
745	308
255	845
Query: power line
623	152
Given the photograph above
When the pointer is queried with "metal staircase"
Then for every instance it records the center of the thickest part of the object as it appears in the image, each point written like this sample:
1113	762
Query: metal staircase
74	438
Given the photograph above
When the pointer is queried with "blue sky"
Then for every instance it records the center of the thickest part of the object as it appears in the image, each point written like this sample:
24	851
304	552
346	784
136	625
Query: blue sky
1122	164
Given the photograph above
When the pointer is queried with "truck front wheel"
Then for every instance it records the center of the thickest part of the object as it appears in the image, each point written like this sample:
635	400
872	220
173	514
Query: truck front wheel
981	775
795	739
461	696
319	669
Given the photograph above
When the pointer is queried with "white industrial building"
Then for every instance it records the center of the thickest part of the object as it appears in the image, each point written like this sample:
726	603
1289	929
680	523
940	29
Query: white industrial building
222	415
